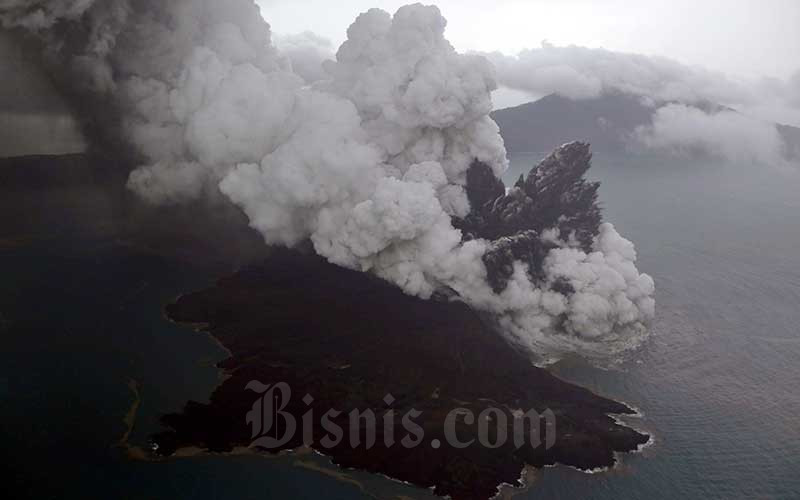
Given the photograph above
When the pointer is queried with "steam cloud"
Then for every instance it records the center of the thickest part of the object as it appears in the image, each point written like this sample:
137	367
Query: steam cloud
368	164
726	134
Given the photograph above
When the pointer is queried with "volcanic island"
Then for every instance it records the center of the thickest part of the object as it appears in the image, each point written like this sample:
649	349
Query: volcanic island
352	341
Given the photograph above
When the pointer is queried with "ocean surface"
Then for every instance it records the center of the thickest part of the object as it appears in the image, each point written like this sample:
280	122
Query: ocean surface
718	382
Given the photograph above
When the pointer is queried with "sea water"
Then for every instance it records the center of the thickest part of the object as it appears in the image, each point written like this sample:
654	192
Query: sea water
718	382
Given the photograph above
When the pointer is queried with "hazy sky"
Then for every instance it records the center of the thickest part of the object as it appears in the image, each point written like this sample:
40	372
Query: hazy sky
746	38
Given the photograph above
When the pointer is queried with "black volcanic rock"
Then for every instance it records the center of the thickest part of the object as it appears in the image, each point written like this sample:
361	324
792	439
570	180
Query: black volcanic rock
554	195
348	339
525	246
484	187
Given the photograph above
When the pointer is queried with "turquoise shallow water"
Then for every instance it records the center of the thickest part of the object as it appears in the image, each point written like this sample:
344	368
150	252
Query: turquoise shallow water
718	381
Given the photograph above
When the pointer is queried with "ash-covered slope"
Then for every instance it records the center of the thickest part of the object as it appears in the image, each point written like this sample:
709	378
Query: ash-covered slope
554	198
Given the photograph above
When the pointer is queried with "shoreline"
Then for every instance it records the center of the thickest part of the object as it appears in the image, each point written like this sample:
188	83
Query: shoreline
130	417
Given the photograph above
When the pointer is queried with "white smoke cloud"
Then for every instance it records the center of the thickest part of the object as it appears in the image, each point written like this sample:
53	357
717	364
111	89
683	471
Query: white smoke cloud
725	134
610	301
368	164
400	121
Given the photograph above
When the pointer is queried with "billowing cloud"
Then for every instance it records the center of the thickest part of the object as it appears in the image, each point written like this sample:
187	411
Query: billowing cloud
725	134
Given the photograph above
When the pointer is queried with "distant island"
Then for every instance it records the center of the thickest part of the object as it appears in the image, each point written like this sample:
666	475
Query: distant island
607	122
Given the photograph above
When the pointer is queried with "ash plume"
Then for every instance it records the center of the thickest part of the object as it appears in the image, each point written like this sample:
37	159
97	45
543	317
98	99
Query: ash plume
387	165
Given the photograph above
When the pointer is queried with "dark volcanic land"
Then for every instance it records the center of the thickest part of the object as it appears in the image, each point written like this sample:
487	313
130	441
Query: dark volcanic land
348	339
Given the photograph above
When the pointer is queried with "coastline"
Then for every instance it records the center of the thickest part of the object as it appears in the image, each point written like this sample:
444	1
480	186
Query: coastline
130	417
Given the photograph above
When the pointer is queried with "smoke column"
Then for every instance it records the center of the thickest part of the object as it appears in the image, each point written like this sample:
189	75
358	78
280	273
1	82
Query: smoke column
369	164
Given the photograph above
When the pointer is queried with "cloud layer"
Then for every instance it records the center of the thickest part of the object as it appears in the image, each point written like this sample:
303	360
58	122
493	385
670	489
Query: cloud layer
581	73
726	134
687	116
584	73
